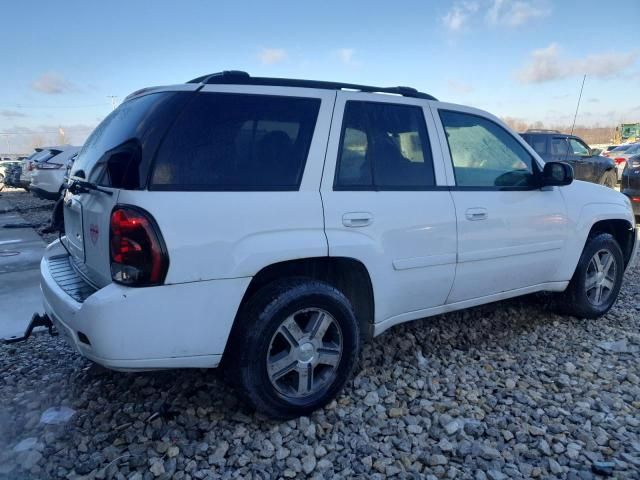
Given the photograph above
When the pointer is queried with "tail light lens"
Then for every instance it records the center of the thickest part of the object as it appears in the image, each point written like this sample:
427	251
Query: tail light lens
635	199
619	160
137	251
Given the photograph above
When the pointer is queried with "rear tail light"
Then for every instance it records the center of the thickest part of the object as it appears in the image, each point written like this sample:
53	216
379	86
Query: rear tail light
619	160
137	251
635	199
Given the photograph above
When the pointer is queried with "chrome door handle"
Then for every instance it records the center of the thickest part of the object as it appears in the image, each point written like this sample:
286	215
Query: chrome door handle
474	214
357	219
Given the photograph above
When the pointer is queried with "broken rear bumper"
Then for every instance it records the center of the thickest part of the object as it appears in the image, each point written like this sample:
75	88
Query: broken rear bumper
123	328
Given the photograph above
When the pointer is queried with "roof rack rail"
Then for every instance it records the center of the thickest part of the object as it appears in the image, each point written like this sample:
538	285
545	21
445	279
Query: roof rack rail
541	130
238	77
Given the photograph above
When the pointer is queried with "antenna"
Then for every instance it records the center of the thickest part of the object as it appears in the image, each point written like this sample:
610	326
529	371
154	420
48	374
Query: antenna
575	116
578	105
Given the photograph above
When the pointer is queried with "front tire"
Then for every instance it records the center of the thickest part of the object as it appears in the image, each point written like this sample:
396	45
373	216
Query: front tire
294	348
597	280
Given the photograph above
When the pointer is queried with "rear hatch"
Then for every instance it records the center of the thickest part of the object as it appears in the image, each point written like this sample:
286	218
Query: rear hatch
116	156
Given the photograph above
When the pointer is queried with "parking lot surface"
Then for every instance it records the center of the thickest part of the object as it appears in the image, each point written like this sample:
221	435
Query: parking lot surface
20	252
507	390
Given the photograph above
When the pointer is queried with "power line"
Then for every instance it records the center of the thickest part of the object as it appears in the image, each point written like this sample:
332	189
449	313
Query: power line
83	129
20	105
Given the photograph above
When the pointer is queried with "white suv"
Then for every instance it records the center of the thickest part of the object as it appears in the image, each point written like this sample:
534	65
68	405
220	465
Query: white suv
272	225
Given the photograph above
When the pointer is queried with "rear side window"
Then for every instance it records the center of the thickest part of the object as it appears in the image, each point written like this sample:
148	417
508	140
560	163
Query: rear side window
384	147
537	142
224	141
484	154
119	151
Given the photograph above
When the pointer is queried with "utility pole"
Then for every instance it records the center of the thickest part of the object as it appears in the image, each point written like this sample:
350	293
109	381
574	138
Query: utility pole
113	101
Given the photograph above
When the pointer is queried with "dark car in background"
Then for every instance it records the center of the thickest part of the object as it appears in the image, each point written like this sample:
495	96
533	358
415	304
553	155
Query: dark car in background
630	184
621	154
587	163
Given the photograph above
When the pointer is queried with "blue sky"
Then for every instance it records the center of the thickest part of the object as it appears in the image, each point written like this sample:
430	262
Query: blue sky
515	58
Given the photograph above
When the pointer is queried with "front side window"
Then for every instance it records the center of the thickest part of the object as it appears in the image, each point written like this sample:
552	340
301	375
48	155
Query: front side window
484	154
384	146
579	148
225	141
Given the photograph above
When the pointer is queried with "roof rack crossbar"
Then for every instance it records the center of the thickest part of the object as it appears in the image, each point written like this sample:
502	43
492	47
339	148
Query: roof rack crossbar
237	77
541	130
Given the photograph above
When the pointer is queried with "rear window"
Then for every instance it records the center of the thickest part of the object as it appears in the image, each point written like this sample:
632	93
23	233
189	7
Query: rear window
119	151
621	148
224	141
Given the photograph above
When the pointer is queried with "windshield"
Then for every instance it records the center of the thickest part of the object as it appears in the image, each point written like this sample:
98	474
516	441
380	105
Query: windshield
44	155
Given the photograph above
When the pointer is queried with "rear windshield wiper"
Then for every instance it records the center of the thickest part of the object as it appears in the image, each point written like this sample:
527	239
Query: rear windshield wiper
82	186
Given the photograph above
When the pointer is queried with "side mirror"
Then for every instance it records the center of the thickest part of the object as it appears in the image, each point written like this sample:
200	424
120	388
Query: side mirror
595	151
557	174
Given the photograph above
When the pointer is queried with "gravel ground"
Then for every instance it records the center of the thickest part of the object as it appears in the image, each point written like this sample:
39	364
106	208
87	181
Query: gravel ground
34	210
506	390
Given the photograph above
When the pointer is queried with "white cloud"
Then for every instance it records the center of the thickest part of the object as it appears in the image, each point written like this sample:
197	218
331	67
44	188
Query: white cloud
513	13
52	83
546	65
500	13
459	87
346	55
269	56
456	18
11	114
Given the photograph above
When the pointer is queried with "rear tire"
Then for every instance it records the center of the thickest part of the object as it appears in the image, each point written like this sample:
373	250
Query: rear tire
609	179
597	280
294	347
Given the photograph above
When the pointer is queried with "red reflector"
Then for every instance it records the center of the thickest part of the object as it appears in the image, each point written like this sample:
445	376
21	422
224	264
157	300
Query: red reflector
619	160
138	256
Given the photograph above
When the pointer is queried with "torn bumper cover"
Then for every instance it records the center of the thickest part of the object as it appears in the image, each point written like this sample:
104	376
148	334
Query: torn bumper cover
123	328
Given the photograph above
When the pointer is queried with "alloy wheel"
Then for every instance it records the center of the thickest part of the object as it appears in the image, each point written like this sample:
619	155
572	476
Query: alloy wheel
304	353
600	277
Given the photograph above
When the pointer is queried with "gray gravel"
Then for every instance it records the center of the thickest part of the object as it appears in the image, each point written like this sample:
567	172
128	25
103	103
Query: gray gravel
506	390
32	209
